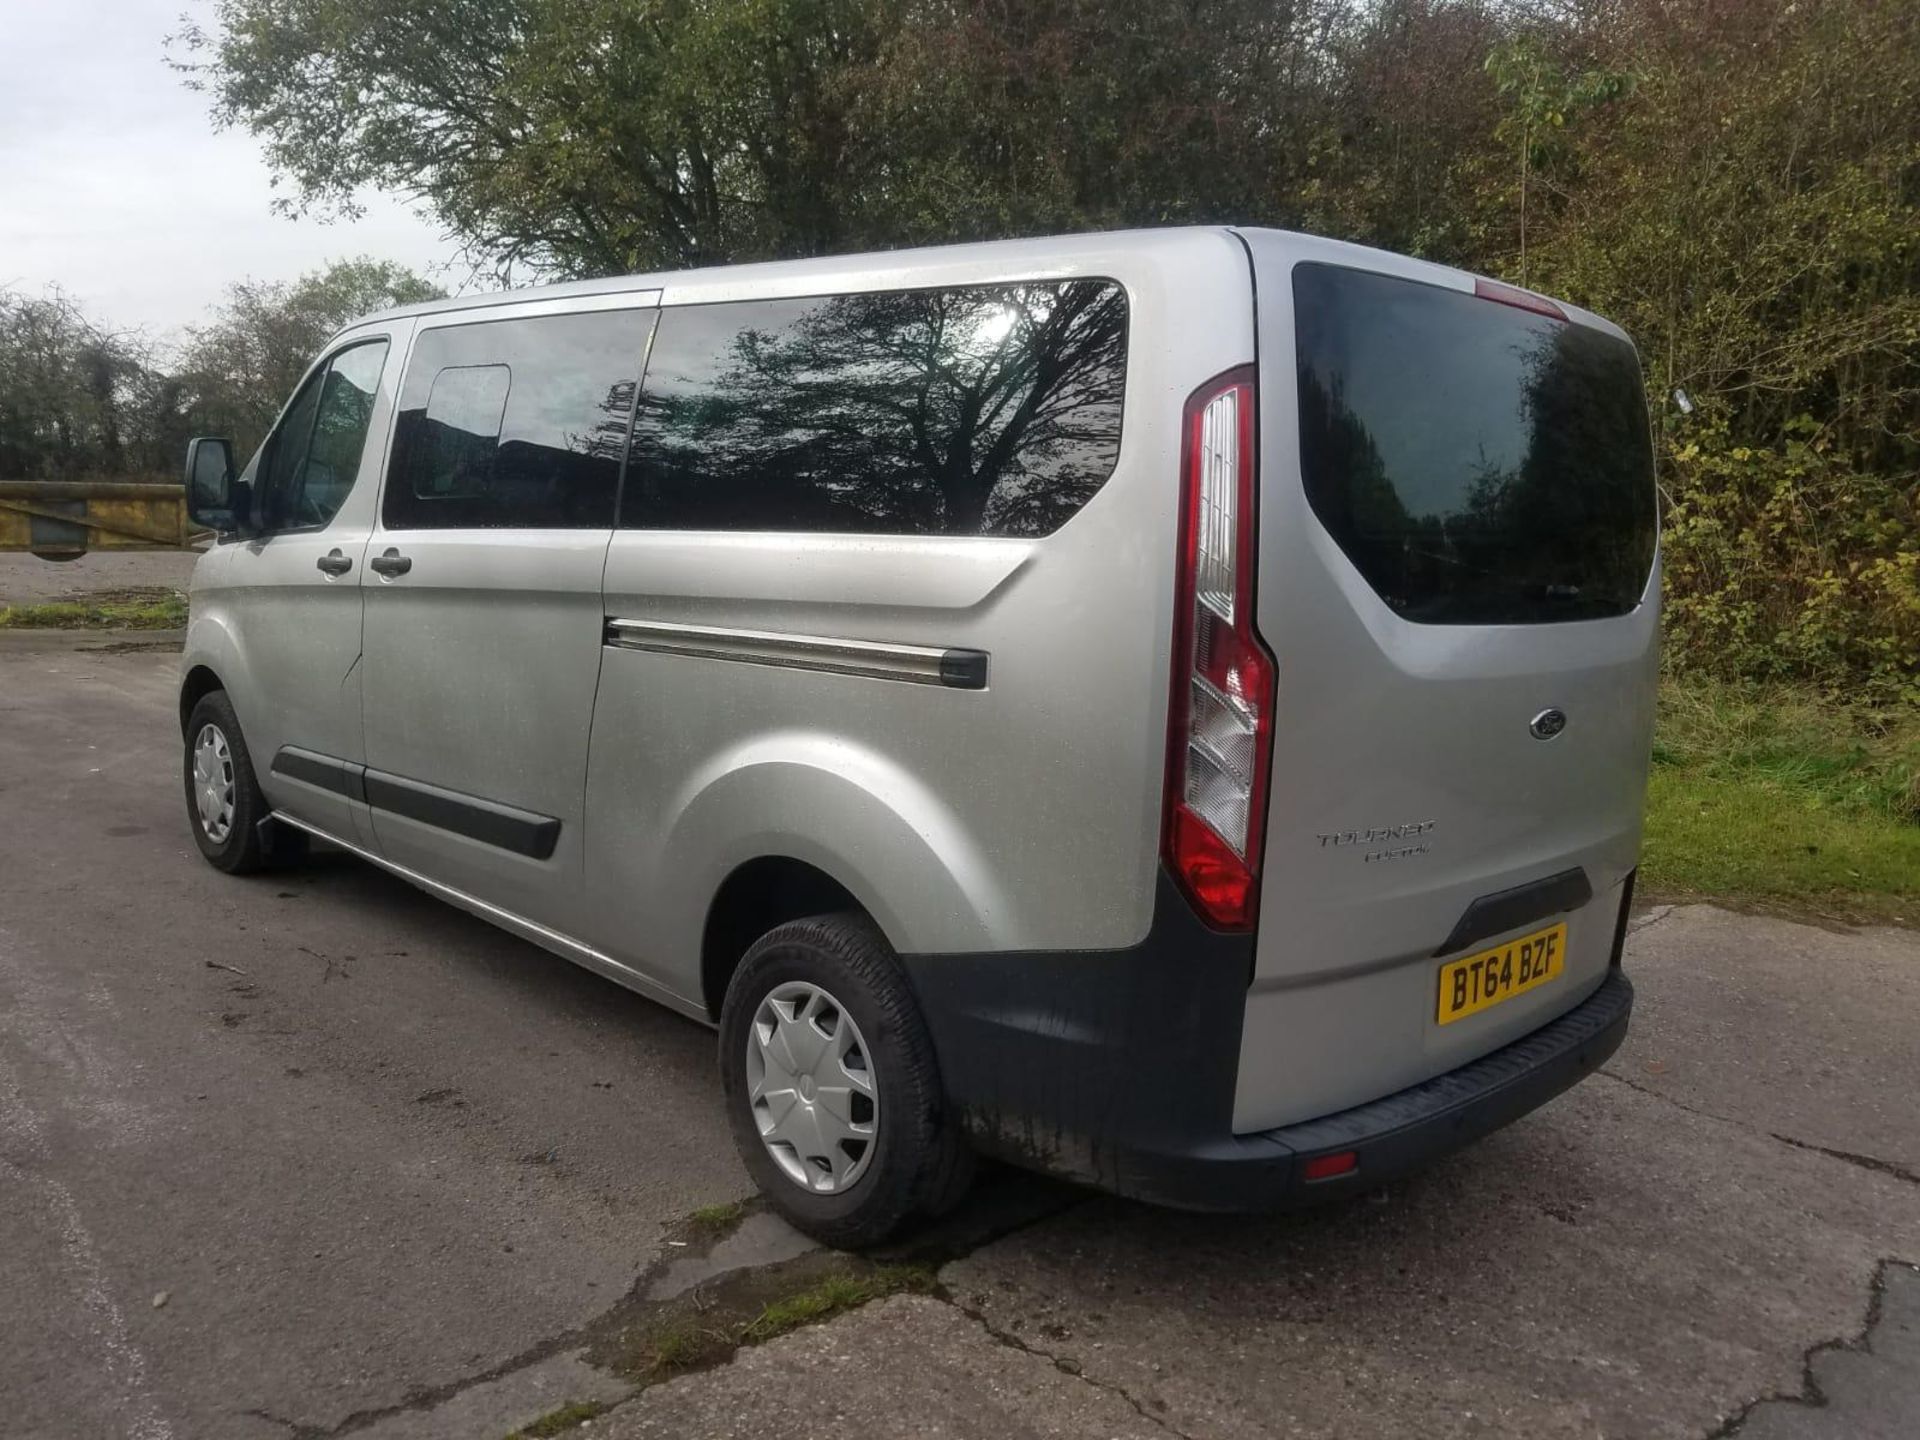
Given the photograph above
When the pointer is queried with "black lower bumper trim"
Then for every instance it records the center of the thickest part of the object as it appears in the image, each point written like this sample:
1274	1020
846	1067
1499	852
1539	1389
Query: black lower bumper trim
1400	1132
1118	1069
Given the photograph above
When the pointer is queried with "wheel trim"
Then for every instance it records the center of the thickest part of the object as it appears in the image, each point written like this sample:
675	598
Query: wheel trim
812	1088
213	783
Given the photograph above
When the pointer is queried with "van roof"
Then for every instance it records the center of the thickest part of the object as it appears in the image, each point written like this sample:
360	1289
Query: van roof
1038	251
1043	257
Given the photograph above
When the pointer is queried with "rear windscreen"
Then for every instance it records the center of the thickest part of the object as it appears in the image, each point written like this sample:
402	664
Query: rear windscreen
1478	463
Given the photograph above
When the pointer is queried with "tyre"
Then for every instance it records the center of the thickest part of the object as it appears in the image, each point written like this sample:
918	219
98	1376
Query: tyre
224	803
832	1089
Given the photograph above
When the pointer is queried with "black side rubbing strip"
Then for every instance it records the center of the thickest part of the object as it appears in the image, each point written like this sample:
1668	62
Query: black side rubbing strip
487	821
1510	909
964	669
312	768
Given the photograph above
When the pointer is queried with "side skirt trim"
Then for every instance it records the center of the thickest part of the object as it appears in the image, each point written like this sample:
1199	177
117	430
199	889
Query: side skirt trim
321	771
504	826
565	946
487	821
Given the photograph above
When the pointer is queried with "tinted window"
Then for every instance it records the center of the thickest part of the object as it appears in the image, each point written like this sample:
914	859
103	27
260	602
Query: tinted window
462	432
516	422
339	432
1478	463
976	411
285	452
313	458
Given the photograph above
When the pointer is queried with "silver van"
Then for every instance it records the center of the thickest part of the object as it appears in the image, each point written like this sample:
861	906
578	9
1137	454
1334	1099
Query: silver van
1170	709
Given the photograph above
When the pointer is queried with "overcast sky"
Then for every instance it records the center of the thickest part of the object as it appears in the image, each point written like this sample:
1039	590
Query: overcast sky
114	186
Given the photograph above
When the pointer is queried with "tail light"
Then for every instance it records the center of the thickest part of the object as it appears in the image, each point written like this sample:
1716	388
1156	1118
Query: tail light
1220	726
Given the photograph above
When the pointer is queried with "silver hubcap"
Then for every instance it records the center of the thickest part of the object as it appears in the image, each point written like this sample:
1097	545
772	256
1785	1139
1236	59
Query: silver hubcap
213	783
810	1081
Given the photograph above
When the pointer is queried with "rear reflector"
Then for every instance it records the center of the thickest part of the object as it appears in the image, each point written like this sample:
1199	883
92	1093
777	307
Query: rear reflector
1520	299
1220	720
1331	1167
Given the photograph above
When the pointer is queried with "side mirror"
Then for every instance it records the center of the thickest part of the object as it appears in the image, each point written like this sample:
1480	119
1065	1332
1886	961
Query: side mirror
214	497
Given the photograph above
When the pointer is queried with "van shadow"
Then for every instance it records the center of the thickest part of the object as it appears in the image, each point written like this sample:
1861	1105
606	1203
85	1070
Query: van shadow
1528	1170
547	981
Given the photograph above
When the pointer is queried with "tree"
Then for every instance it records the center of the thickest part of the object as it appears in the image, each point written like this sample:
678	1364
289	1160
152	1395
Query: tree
1731	180
586	137
967	411
238	370
76	398
574	136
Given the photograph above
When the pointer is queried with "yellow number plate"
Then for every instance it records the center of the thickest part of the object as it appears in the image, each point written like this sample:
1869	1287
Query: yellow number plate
1474	982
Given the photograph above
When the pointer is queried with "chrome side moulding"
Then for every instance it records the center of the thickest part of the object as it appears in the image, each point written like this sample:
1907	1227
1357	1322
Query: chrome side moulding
873	660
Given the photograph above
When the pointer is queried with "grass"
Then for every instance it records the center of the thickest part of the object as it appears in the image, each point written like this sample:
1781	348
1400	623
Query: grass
1777	797
843	1290
128	610
558	1422
710	1222
681	1342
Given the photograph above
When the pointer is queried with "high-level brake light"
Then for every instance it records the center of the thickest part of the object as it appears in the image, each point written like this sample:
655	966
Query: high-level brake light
1220	723
1520	299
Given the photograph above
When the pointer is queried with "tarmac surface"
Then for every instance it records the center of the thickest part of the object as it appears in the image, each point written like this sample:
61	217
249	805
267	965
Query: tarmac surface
313	1154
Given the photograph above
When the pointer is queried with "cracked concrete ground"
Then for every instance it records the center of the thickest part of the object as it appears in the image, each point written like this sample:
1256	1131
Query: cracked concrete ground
392	1170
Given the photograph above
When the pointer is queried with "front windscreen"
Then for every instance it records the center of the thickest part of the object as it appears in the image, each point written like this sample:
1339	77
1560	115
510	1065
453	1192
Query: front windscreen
1480	464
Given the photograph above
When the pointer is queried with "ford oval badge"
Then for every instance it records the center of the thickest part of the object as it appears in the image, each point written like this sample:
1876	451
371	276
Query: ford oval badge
1548	723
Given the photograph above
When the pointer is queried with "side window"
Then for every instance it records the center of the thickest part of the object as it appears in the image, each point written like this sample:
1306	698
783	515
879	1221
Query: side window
517	423
339	432
462	432
313	459
285	452
981	410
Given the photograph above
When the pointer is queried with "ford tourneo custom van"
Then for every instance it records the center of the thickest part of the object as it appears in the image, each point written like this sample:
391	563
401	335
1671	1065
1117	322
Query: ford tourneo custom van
1170	709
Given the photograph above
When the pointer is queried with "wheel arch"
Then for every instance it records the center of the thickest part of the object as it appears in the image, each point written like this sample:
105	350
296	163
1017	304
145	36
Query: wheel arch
199	682
756	896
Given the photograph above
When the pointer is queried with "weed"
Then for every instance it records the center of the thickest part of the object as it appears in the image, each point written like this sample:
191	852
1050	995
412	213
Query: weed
710	1222
680	1345
841	1290
131	610
556	1422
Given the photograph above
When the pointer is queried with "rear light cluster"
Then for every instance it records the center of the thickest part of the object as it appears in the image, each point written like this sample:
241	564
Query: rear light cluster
1220	727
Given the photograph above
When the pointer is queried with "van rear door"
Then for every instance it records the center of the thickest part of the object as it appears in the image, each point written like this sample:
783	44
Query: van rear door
1457	579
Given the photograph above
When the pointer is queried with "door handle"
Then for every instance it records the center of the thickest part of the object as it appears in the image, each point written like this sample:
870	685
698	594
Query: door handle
390	563
333	563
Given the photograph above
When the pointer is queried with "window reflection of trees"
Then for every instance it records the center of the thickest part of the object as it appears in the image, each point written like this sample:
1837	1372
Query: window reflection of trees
544	450
965	411
1566	533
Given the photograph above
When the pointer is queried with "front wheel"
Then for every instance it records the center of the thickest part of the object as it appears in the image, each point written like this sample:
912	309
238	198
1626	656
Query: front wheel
224	803
832	1088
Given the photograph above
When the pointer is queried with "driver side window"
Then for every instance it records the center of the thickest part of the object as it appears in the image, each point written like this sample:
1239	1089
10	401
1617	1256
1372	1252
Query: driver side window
314	457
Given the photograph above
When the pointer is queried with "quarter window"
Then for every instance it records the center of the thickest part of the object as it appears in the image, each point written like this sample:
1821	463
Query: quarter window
980	410
516	423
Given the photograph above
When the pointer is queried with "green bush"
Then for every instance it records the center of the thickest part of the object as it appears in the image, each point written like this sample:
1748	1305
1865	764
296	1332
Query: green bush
1791	563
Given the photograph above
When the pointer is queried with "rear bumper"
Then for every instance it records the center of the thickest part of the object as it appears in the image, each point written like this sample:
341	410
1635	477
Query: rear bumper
1117	1070
1399	1132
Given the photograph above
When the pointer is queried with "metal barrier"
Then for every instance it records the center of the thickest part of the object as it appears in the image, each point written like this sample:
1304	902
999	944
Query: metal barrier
64	519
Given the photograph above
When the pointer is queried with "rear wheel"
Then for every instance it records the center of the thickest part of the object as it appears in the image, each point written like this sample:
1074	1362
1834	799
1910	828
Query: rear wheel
224	802
832	1088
